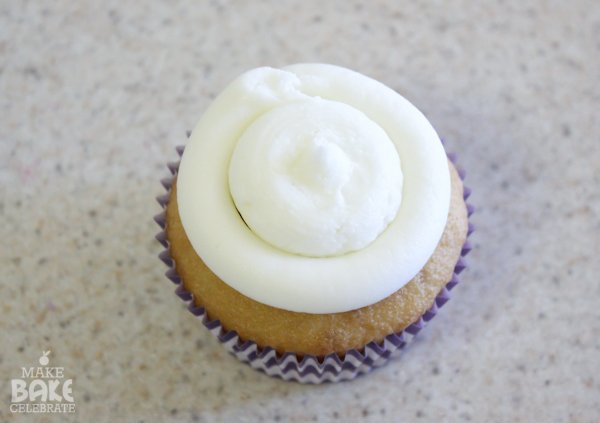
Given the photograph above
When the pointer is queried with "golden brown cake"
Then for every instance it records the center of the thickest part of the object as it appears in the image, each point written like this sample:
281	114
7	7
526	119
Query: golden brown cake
319	334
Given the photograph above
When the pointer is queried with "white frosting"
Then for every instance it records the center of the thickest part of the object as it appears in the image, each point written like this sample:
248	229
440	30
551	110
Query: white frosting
294	282
316	177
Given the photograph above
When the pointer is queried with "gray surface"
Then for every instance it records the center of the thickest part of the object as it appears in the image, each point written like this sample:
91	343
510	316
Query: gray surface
93	98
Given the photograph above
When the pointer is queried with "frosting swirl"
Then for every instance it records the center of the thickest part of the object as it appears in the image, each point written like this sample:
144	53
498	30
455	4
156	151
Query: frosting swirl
316	177
343	184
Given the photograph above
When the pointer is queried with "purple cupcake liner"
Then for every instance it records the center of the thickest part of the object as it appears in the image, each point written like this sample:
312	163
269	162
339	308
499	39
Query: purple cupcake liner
309	369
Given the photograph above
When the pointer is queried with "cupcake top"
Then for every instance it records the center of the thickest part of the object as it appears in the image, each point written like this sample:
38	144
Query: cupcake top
313	188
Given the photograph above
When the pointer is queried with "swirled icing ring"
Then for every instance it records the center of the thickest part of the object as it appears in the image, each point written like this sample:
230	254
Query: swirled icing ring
313	188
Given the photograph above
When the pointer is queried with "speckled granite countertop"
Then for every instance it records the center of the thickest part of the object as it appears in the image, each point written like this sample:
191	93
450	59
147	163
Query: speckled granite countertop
95	95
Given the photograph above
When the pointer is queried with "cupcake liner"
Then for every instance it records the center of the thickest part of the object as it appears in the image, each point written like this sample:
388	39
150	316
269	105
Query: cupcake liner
309	369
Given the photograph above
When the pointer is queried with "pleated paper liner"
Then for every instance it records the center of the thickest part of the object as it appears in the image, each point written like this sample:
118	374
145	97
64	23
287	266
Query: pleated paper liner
308	369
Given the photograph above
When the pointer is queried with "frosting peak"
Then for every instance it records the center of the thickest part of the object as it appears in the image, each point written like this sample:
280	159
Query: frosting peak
316	178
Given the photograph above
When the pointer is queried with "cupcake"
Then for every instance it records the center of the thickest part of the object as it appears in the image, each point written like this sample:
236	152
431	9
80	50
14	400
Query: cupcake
314	223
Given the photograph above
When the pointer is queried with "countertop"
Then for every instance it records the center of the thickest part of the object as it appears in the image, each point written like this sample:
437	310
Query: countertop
94	96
